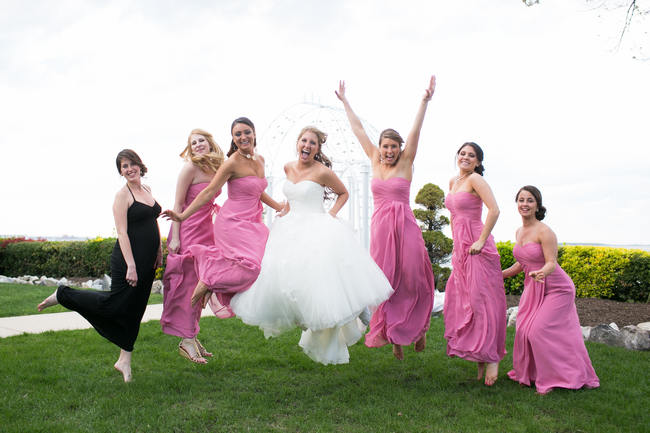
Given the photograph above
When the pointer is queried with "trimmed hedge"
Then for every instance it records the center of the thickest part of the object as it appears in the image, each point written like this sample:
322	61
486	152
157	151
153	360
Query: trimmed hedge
61	259
514	285
597	272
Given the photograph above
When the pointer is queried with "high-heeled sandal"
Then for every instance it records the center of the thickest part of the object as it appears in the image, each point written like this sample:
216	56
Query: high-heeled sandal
197	359
202	350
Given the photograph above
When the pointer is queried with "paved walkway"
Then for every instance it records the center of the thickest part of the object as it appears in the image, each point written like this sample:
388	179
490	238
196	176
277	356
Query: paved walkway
37	323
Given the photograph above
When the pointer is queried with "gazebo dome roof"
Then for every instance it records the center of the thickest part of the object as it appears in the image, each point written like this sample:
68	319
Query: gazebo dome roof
279	140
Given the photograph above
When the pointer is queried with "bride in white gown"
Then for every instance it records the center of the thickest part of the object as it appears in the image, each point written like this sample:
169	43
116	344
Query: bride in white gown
315	274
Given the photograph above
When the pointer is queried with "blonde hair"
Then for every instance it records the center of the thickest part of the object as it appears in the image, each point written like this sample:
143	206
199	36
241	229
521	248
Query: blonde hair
208	162
322	138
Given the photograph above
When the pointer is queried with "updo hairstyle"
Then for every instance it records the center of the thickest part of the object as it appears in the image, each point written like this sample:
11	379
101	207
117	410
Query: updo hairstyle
479	155
540	213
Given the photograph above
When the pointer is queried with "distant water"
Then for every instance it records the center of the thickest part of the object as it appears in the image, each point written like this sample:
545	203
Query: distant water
644	247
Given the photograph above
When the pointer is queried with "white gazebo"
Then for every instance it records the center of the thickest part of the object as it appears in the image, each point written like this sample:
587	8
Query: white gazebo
278	145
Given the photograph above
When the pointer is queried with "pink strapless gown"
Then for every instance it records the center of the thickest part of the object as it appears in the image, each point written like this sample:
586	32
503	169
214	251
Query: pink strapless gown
475	300
549	349
232	264
397	246
179	317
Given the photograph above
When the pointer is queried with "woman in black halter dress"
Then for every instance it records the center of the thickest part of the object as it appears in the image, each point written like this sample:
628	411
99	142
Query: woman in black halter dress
116	315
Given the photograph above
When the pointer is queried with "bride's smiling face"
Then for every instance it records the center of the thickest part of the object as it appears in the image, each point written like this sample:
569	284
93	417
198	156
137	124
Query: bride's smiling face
307	146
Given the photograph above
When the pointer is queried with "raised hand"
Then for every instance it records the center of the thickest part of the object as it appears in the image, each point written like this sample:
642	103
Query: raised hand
341	92
428	92
171	215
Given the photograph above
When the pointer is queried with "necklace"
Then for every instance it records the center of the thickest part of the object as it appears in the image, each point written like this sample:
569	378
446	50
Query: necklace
459	178
247	155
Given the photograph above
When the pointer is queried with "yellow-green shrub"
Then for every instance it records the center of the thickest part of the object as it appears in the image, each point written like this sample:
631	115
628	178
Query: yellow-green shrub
514	285
597	272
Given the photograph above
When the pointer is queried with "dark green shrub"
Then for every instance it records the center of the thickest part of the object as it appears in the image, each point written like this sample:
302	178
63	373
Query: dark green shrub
441	275
60	259
633	284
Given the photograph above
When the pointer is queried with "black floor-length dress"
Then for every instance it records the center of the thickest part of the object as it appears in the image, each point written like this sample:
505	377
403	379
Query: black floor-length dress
116	315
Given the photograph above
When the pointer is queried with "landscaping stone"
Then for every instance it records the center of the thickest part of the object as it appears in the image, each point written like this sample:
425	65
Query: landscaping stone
586	331
511	316
607	335
635	338
644	326
157	287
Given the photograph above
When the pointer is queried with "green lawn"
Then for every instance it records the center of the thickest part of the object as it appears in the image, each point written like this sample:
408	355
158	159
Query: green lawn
64	382
22	299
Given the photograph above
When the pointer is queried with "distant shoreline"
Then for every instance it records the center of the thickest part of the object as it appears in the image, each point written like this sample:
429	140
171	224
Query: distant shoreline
644	247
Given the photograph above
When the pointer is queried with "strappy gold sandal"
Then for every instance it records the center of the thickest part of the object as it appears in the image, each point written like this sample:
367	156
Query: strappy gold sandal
197	359
202	350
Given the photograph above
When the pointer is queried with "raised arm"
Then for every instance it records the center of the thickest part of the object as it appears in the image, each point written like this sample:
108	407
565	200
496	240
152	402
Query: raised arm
120	208
182	184
485	193
411	146
220	178
355	123
549	248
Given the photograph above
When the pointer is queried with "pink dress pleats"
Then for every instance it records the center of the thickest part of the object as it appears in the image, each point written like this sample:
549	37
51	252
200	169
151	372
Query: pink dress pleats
397	246
179	317
549	349
475	301
232	264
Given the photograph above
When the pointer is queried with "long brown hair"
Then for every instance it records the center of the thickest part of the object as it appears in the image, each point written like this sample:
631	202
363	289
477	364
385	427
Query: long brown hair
245	121
320	156
322	138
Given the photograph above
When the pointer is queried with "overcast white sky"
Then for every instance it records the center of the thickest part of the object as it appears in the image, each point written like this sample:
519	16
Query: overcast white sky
539	88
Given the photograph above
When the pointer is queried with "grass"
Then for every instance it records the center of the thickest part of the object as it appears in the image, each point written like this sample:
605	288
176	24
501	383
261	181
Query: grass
22	299
64	382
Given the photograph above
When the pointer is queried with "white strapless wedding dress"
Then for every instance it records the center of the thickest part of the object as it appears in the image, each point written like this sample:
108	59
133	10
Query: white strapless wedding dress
315	275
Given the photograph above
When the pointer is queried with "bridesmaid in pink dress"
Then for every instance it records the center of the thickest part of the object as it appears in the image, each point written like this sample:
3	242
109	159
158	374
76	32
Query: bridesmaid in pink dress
202	160
549	349
232	264
396	242
475	300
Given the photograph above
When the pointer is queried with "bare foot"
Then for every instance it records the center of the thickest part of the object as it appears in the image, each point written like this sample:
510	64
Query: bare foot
421	344
48	302
187	349
199	294
491	373
481	370
398	352
125	369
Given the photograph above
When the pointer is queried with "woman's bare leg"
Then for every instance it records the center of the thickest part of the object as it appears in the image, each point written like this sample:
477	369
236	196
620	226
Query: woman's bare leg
48	302
123	365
